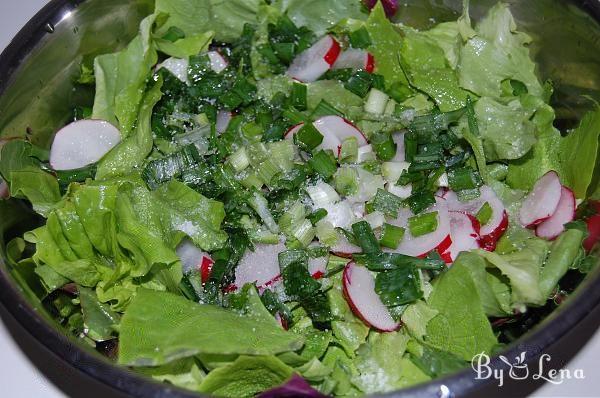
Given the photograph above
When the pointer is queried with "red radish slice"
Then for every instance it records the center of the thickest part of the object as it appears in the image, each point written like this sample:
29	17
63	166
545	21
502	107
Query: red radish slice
260	266
359	290
223	119
355	59
593	226
565	212
542	201
81	143
192	258
178	68
422	245
389	6
335	130
4	193
464	231
217	62
343	248
498	223
400	152
281	320
317	267
293	130
315	61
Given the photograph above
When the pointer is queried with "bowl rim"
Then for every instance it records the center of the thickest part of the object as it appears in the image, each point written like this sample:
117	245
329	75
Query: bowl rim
535	342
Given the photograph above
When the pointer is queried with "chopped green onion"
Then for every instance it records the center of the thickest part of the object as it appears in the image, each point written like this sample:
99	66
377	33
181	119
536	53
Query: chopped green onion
471	118
365	237
420	201
252	131
268	53
400	92
251	180
377	81
346	181
376	102
308	137
423	224
497	171
326	233
428	125
257	153
317	216
303	232
294	115
383	145
324	164
484	215
365	154
411	145
284	51
392	171
267	170
399	286
239	160
359	83
324	108
294	215
349	151
391	236
376	219
299	95
390	107
360	38
173	34
282	154
468	194
464	178
389	261
162	170
387	203
261	207
322	194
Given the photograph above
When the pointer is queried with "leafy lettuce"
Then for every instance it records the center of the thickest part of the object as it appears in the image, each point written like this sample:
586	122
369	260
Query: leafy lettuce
158	328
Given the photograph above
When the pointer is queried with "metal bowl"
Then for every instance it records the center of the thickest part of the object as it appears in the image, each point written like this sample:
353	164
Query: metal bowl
37	71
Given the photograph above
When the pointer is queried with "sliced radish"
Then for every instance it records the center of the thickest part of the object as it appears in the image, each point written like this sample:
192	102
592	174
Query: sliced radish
400	151
315	61
192	258
498	223
317	267
178	68
389	6
223	119
4	192
293	130
565	212
593	226
335	130
355	59
81	143
359	290
464	232
340	214
260	266
401	191
542	201
343	248
217	62
422	245
281	320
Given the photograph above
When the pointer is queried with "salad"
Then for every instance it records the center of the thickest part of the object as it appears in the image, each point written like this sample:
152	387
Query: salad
306	197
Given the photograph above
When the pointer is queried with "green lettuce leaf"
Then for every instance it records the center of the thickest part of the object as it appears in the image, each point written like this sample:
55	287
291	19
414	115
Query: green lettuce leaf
133	150
99	320
461	326
332	91
379	362
186	47
183	373
427	69
493	291
159	327
416	317
573	157
343	374
121	79
386	47
37	186
506	130
563	254
498	52
225	18
320	15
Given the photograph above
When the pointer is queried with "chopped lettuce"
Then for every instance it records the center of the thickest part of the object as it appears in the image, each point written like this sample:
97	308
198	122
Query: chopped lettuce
320	15
497	52
461	326
573	157
225	18
121	79
159	327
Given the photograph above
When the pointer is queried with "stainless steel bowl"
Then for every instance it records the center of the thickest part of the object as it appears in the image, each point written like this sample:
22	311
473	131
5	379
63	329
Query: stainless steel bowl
37	72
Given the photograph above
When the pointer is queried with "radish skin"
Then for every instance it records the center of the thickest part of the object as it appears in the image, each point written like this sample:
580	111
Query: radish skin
359	291
313	62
